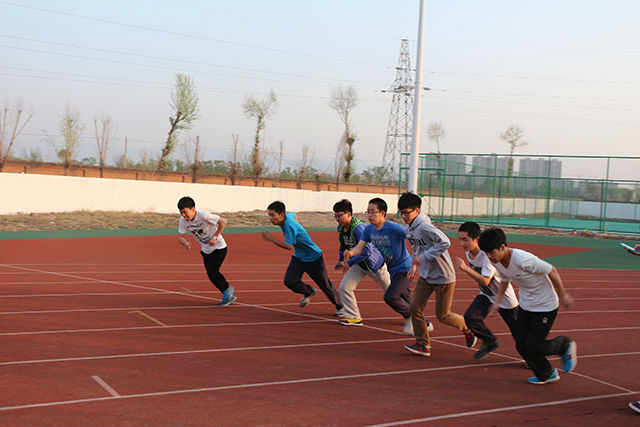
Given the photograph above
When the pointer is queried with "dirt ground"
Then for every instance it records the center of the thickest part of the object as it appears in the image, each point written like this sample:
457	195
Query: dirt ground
86	220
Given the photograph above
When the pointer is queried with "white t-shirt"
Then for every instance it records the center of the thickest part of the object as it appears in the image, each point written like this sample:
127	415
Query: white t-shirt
531	274
484	267
203	227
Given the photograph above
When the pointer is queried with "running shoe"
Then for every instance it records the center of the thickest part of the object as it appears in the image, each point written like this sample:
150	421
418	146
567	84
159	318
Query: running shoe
471	339
429	325
570	358
635	406
228	297
485	349
417	348
351	322
408	327
339	312
305	300
553	378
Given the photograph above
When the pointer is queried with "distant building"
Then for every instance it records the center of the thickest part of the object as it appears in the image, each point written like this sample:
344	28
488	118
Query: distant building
541	167
484	165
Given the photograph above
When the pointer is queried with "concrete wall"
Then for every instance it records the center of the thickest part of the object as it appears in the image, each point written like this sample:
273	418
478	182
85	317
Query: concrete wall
31	193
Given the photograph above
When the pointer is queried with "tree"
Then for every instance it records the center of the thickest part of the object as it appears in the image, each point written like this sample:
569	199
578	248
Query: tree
303	166
234	163
70	128
184	102
343	101
10	129
193	158
435	132
513	136
103	138
259	109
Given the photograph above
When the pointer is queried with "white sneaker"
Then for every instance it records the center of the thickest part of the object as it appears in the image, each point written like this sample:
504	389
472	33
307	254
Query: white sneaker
429	325
408	327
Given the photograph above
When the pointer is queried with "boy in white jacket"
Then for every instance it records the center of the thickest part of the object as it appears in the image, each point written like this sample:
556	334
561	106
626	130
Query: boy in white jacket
432	260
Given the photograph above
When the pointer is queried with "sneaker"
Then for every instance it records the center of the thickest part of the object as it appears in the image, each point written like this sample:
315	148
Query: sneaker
570	358
471	339
351	322
485	349
408	327
420	349
553	378
526	366
429	325
227	297
635	406
305	300
339	312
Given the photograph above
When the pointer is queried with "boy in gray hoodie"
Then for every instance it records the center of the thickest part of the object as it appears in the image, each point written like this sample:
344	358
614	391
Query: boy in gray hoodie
432	261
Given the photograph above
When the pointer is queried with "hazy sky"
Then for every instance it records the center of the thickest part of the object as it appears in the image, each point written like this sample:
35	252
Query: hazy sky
567	72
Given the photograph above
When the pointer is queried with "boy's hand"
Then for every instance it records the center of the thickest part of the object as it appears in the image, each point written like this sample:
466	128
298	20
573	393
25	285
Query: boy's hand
267	236
413	272
342	265
347	255
567	300
461	264
187	245
213	240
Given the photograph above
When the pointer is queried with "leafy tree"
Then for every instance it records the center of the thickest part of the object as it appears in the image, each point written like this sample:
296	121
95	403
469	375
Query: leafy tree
70	128
184	102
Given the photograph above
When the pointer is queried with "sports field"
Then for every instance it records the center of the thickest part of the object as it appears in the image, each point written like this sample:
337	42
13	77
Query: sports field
108	329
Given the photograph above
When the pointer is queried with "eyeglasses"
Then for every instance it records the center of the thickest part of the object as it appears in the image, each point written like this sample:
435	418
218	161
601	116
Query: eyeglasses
340	215
406	213
372	212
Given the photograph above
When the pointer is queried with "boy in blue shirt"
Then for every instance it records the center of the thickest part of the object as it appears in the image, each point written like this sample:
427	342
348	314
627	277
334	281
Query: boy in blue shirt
307	257
389	238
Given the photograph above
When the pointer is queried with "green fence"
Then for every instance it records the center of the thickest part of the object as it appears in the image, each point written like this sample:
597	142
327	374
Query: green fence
595	193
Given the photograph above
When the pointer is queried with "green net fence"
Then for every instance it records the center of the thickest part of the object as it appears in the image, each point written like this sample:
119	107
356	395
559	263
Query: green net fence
593	193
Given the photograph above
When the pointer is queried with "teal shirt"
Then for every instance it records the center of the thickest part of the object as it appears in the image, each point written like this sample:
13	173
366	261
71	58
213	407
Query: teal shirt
295	234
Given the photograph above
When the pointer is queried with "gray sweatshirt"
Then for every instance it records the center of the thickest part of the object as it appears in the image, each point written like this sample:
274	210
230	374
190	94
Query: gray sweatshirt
430	246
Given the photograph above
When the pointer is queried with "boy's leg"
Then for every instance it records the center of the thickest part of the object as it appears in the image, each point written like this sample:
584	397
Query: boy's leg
397	294
348	286
510	317
421	295
293	278
212	263
444	298
317	270
474	319
382	277
532	331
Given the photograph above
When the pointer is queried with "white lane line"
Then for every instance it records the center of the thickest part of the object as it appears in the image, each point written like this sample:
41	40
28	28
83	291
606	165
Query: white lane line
106	386
503	409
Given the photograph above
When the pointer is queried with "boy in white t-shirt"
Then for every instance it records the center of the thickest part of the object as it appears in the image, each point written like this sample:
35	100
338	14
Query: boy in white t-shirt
540	289
480	269
207	230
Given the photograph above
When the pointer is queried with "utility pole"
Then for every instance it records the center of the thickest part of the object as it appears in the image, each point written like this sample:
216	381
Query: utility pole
415	143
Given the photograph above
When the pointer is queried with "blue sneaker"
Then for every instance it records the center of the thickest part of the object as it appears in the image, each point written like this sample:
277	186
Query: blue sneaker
553	378
227	297
570	358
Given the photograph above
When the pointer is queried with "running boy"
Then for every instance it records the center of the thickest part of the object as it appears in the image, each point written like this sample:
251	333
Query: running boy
431	256
207	230
369	263
482	271
389	238
540	286
306	258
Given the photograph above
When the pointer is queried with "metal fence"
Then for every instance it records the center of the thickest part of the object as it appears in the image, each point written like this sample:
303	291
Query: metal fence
594	193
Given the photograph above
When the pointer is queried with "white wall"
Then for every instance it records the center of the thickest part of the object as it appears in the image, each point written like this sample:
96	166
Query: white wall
32	193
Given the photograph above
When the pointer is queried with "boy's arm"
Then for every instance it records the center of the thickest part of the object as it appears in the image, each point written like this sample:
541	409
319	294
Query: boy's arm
280	243
556	280
502	288
482	280
440	244
357	233
355	251
220	226
184	242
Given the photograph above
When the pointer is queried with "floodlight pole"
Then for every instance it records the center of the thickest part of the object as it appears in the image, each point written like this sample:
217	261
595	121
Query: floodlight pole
415	135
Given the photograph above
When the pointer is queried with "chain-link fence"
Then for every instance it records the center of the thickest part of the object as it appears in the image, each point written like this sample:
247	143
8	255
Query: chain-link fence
600	194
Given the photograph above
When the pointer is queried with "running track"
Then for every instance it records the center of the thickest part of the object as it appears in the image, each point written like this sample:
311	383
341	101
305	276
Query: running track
125	331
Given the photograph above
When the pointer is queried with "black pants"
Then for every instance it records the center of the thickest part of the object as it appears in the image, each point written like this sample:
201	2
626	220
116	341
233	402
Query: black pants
317	270
532	343
212	263
478	311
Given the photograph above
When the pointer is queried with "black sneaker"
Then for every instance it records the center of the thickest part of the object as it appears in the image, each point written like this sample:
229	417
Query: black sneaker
471	339
417	348
485	349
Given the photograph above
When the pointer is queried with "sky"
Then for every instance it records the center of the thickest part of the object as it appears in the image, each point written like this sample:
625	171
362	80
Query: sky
567	72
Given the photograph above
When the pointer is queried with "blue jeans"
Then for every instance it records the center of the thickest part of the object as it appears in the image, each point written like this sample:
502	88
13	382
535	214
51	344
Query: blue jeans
478	311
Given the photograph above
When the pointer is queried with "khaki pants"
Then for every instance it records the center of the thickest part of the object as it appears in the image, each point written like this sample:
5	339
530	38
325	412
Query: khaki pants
444	296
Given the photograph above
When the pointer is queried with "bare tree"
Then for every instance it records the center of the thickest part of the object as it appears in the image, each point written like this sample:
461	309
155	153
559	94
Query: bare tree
234	164
343	101
303	166
280	154
103	137
10	129
193	155
70	128
435	132
259	109
184	102
514	137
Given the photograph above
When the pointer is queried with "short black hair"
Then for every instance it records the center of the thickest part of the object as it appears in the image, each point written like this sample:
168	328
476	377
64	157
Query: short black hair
409	200
380	204
186	202
471	228
277	207
492	239
343	206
